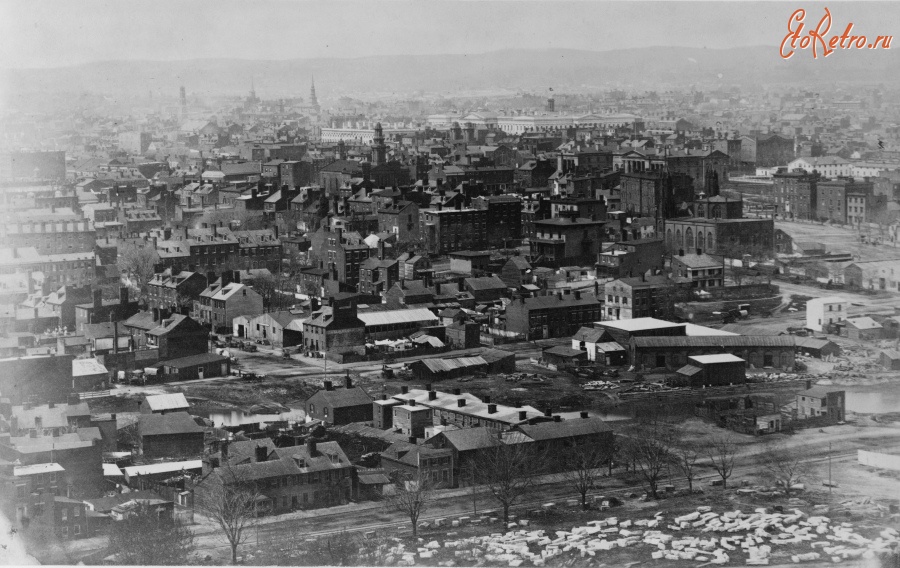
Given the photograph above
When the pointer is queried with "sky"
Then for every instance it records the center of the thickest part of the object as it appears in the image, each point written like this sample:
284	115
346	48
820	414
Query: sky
59	33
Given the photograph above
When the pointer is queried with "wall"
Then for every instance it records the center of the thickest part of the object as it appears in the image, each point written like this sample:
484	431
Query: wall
879	460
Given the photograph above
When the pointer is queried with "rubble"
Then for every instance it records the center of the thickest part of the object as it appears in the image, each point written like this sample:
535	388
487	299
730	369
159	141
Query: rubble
724	537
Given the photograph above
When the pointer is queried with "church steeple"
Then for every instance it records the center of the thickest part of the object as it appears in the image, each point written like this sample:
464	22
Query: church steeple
313	101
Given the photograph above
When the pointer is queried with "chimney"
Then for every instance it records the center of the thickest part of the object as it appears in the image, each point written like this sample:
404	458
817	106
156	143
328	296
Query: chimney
699	252
224	449
411	439
492	408
548	412
808	384
559	296
311	447
432	395
98	300
557	418
460	402
584	414
262	453
487	399
404	390
236	276
456	392
577	294
123	296
348	382
523	415
412	402
329	386
380	249
384	397
38	423
680	252
51	404
210	278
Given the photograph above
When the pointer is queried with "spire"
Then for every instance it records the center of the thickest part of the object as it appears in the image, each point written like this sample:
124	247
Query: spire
313	101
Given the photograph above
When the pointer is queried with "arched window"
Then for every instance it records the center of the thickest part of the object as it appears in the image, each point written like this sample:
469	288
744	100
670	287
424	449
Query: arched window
710	243
669	238
688	238
701	241
678	241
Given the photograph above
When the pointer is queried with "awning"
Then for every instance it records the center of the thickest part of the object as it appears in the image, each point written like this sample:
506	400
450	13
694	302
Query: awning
373	479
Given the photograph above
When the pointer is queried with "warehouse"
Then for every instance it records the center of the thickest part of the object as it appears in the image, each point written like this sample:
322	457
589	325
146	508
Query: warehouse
201	366
712	370
392	324
759	351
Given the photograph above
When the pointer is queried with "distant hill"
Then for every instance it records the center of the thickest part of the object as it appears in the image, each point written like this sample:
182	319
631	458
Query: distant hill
650	67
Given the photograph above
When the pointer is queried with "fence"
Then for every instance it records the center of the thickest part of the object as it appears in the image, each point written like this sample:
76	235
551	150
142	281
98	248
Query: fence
93	394
879	460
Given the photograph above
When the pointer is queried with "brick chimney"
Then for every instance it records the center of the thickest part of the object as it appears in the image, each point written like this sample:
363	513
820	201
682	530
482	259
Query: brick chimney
460	402
311	447
328	386
262	453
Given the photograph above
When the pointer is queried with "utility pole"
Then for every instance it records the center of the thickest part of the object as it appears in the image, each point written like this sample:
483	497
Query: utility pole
829	467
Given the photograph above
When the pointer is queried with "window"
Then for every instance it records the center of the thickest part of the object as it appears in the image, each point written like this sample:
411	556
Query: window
77	530
65	514
76	512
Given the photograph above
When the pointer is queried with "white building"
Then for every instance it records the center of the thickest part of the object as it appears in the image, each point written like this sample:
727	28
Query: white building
828	166
824	311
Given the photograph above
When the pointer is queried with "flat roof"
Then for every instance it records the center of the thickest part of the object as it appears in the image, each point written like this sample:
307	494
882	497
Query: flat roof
167	467
638	324
37	468
717	358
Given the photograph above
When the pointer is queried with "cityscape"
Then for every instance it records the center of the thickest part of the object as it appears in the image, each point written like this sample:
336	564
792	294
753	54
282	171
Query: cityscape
471	284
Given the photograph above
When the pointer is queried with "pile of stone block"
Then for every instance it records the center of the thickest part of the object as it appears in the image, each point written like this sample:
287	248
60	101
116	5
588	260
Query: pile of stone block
723	537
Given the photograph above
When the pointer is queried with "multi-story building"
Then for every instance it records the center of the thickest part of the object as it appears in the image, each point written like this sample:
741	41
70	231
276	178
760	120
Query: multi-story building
720	236
504	217
344	254
378	274
420	462
767	150
175	291
449	230
208	250
224	300
566	240
49	232
559	315
66	269
259	248
700	166
310	476
822	312
337	407
631	258
336	328
822	403
400	218
702	270
795	195
874	275
635	297
833	199
825	166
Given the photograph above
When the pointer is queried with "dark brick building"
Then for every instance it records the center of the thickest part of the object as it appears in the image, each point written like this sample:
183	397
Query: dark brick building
559	315
341	406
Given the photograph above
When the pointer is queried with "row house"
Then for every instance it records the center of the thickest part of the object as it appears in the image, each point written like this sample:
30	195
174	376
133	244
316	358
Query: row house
566	240
224	300
449	230
50	237
175	291
559	315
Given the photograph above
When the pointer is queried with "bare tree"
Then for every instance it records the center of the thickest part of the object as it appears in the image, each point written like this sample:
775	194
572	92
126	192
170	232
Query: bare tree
649	447
721	451
144	537
583	465
229	500
411	496
138	262
507	471
784	467
685	455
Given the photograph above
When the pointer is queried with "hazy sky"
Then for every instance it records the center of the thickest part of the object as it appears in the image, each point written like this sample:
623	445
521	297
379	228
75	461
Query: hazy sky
53	33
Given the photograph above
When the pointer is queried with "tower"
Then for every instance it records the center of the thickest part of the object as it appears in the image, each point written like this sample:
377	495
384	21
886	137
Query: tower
313	101
379	150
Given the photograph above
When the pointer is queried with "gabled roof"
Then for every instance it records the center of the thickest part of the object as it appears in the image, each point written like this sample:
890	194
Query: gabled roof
588	335
565	429
166	401
343	398
863	322
485	283
167	424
